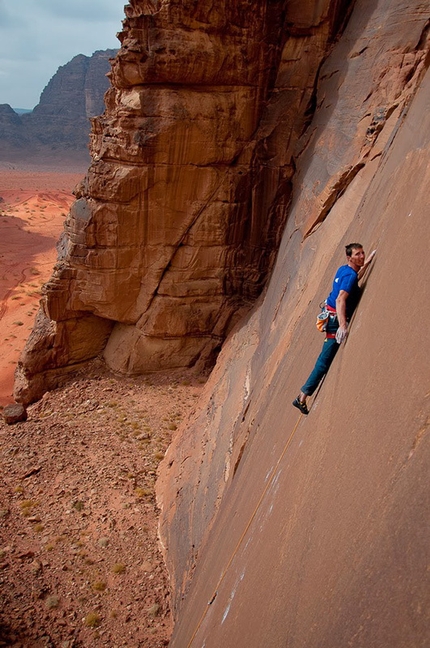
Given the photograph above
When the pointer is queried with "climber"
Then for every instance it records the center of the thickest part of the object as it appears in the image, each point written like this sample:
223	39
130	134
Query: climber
341	304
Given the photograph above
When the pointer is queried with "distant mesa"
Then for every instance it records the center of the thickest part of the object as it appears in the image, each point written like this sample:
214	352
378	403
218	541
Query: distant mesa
60	124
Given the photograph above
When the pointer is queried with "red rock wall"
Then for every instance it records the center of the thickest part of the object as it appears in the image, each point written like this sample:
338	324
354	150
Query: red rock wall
177	223
313	531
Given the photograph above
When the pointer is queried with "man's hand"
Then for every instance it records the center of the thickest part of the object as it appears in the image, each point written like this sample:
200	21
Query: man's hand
341	334
368	261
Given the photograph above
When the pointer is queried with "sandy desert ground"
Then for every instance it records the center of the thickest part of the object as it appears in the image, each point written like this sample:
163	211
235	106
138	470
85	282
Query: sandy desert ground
33	206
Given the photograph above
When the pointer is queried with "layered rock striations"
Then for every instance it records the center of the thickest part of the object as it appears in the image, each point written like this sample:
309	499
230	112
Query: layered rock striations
61	119
177	223
281	529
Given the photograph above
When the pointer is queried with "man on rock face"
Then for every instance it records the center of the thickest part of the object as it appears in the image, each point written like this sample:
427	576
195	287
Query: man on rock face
341	304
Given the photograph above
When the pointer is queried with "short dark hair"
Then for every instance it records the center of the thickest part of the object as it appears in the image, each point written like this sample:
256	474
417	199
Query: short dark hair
352	246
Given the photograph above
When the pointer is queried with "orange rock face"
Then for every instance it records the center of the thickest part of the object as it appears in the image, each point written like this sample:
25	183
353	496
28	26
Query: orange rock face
177	223
288	530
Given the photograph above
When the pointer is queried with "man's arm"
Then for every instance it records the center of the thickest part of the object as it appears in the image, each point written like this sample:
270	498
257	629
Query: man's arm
341	309
342	331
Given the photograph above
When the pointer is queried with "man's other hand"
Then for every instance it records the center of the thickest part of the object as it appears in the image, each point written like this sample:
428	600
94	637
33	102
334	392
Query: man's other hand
341	334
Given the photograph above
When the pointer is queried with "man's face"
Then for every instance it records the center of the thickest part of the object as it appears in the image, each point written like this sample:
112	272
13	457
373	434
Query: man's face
357	257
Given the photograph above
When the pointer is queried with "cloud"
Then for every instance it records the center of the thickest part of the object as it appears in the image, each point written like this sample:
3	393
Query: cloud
37	37
95	11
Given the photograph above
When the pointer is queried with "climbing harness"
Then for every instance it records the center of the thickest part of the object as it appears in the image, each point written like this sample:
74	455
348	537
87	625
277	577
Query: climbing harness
324	316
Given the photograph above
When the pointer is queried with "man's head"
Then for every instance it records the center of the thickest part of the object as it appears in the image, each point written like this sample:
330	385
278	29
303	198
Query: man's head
355	255
352	246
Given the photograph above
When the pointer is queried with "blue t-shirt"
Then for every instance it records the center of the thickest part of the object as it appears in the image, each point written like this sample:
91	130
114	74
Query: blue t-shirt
346	279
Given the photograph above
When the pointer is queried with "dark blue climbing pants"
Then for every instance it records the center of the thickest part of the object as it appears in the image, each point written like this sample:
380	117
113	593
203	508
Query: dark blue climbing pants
322	365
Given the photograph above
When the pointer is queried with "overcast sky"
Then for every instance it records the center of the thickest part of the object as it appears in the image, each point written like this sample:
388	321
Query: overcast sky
37	36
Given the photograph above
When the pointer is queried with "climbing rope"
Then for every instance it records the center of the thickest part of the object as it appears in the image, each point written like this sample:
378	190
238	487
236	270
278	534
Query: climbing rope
245	531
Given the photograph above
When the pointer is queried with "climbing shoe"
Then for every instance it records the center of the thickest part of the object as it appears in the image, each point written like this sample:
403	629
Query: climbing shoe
301	406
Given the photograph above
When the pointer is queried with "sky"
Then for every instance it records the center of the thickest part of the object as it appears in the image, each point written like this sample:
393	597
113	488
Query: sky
38	36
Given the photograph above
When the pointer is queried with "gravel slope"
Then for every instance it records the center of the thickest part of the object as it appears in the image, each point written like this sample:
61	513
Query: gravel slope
79	557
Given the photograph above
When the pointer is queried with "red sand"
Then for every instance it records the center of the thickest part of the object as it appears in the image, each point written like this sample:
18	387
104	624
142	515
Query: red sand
33	206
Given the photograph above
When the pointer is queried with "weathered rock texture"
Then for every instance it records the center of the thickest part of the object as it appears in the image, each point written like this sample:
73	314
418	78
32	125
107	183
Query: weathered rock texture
177	223
61	120
284	530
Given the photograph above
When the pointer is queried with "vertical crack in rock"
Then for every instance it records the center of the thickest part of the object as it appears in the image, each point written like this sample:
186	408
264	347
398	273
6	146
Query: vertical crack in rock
335	191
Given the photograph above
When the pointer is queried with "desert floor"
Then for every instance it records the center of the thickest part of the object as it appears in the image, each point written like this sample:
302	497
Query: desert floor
33	206
80	563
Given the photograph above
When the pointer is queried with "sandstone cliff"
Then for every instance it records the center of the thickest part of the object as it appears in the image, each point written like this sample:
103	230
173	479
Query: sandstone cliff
233	134
61	120
177	223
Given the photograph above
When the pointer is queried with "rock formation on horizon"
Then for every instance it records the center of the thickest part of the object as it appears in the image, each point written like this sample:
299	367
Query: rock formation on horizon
11	130
240	142
61	119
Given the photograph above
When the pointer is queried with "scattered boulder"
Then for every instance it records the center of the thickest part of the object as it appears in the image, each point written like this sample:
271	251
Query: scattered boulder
15	413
